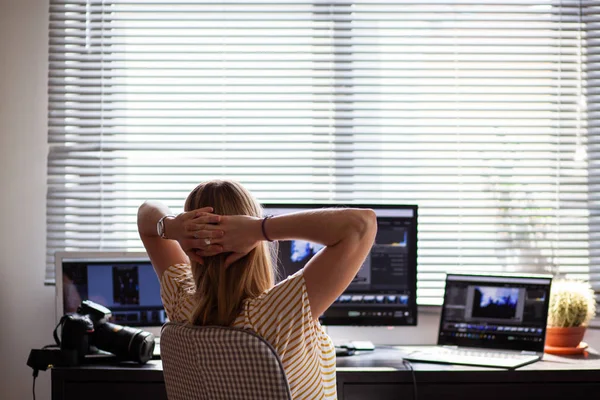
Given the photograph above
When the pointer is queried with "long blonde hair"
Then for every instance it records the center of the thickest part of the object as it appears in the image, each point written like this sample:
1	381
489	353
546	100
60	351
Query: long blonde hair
220	292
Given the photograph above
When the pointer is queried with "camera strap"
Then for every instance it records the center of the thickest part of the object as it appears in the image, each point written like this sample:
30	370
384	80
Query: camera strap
55	332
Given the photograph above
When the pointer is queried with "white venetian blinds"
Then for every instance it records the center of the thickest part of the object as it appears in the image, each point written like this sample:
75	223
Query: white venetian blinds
475	111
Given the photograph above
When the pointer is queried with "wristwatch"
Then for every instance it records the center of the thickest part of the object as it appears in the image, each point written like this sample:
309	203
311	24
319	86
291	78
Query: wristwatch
160	226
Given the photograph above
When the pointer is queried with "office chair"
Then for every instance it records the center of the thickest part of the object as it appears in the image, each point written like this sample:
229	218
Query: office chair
215	362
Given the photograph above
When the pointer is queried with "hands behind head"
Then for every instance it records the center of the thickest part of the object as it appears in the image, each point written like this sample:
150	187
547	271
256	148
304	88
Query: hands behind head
203	234
196	230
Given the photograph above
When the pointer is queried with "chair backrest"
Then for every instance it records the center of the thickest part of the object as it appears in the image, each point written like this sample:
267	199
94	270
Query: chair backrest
215	362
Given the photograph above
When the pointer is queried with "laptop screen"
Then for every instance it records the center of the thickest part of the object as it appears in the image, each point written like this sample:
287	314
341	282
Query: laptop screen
498	312
129	288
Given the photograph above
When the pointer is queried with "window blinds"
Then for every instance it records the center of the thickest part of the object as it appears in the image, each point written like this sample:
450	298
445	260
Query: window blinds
475	111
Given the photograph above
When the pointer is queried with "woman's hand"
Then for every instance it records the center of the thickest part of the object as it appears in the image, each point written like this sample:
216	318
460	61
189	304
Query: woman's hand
241	234
196	232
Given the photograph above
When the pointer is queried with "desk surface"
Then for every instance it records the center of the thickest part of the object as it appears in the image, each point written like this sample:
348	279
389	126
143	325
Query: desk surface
391	356
375	375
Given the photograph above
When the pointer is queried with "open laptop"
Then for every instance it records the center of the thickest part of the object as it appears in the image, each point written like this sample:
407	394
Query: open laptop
124	282
492	321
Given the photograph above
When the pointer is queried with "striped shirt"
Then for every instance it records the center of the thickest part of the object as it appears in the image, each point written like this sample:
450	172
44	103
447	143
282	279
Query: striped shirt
282	316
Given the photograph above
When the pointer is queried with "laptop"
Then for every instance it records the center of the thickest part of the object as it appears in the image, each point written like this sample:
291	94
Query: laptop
124	282
490	321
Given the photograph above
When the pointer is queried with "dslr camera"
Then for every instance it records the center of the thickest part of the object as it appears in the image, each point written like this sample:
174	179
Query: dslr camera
89	330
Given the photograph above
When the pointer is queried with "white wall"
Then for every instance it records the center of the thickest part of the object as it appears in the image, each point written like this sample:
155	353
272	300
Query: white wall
26	305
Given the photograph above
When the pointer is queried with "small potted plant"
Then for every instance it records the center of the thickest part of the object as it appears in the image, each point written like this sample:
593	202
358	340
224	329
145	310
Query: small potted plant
572	306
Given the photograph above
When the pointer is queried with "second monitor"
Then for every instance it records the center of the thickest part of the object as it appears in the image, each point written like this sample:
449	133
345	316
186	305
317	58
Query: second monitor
384	291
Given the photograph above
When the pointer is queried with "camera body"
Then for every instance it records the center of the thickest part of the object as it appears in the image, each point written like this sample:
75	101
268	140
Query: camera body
88	329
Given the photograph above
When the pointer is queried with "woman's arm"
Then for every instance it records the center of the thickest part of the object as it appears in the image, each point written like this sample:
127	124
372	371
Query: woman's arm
347	235
185	235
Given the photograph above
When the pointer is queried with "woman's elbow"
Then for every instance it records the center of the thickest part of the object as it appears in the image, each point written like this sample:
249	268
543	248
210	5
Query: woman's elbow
142	212
364	223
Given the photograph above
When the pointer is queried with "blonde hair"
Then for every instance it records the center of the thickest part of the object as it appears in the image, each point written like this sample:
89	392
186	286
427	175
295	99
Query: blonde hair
220	292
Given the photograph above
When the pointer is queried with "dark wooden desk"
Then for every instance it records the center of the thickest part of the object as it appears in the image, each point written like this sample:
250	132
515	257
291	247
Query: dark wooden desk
372	376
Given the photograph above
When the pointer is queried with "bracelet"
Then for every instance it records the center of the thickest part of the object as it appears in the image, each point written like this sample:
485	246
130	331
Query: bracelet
262	226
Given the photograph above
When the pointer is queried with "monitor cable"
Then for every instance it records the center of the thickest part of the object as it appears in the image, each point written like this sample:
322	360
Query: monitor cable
409	366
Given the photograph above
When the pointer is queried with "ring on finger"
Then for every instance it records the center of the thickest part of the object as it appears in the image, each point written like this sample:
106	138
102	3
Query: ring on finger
196	235
207	241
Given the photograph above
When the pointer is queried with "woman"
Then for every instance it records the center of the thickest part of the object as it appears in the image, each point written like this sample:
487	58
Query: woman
215	268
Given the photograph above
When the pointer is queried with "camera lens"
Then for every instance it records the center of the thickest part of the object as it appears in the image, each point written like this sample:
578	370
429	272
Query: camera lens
128	344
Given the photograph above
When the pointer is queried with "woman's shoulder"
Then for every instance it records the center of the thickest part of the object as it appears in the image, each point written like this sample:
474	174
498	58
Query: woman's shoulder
282	315
292	286
178	270
177	292
283	307
177	274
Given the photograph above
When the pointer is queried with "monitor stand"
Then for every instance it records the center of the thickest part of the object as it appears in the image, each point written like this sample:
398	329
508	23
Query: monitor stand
350	348
345	347
363	345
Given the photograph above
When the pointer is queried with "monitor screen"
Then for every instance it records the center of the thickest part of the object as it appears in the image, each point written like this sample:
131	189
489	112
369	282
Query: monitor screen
128	287
383	293
503	312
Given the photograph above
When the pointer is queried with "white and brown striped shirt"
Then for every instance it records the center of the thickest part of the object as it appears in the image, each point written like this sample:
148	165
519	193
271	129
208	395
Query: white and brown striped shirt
282	316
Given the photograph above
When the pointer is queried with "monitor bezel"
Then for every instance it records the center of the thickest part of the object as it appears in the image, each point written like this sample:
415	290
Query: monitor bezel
539	277
413	252
88	256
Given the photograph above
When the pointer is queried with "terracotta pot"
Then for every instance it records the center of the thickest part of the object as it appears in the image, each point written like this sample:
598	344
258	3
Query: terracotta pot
564	337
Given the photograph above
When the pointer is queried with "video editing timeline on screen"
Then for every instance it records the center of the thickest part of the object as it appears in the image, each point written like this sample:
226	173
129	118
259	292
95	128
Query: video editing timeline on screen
384	288
129	289
503	312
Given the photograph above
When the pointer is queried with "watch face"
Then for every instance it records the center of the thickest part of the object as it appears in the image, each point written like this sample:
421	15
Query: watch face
160	227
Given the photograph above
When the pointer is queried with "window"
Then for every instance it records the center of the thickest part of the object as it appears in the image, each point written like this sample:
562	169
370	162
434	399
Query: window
476	112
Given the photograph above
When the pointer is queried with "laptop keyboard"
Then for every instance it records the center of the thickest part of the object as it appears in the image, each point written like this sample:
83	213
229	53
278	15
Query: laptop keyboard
481	358
479	353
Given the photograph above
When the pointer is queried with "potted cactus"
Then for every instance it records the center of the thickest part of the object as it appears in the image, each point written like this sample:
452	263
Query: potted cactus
572	306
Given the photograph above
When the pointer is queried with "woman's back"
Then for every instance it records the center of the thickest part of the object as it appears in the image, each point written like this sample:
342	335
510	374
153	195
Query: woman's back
216	268
282	316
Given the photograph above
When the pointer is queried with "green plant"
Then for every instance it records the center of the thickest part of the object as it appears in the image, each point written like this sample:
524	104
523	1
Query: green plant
572	304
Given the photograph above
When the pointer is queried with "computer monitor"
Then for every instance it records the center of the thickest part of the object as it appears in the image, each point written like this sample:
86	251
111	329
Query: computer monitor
384	291
125	282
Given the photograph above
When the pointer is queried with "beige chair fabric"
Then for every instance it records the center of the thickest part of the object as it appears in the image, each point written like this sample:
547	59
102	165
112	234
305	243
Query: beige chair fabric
214	363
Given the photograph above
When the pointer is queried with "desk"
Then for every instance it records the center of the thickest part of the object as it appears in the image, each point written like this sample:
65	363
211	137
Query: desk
372	376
